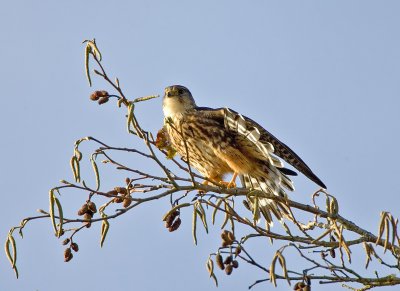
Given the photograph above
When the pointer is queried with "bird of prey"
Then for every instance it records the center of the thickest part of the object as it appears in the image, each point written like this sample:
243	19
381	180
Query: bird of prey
221	141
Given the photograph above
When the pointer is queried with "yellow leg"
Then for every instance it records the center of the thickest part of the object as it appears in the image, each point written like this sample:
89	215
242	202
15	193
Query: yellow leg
232	183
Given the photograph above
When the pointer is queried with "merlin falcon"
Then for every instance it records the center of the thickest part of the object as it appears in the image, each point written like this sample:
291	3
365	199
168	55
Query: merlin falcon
221	141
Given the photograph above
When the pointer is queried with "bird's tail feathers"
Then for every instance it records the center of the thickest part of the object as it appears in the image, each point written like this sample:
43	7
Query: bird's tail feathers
262	205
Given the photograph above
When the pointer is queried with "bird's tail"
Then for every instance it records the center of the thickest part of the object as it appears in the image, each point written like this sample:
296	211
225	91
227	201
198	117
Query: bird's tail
258	202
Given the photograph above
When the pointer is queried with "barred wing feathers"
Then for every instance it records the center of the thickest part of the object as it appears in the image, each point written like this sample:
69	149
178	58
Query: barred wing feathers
274	181
266	147
285	152
282	150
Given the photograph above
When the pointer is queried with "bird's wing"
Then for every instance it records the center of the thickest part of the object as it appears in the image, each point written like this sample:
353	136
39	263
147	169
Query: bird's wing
265	148
283	151
265	137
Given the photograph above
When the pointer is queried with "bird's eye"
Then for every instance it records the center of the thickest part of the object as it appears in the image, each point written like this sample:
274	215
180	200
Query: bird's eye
180	91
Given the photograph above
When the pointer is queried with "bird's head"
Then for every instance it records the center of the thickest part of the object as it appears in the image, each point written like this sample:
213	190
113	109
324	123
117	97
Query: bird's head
177	99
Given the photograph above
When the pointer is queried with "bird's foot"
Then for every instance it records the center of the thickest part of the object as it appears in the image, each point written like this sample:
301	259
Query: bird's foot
231	184
228	185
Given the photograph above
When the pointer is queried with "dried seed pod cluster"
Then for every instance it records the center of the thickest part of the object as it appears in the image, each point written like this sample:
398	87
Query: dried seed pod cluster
301	286
173	221
100	96
227	238
123	194
67	252
228	264
87	211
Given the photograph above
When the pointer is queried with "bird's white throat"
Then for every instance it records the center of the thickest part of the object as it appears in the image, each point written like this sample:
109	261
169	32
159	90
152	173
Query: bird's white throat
172	107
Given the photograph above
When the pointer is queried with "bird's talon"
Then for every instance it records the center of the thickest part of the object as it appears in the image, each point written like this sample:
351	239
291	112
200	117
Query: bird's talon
228	185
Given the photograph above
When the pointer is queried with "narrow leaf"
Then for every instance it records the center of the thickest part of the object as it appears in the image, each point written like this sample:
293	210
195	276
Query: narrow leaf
14	250
194	225
51	210
215	210
87	52
104	230
60	215
8	252
96	172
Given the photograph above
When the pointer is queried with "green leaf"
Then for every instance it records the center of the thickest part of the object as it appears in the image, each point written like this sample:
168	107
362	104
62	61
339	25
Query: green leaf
87	53
51	210
194	225
60	215
96	171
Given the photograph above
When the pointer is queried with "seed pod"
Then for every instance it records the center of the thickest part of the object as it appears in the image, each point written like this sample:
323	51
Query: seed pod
88	216
104	93
127	202
228	269
238	251
235	264
94	96
219	261
66	241
225	244
69	258
83	209
67	255
103	100
228	260
67	252
332	252
127	181
92	207
299	286
118	199
170	218
75	247
168	221
121	190
224	235
175	225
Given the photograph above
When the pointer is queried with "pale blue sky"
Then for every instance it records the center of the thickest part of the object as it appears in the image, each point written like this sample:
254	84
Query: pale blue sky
323	76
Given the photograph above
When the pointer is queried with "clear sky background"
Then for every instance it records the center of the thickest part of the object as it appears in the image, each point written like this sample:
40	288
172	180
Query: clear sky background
323	76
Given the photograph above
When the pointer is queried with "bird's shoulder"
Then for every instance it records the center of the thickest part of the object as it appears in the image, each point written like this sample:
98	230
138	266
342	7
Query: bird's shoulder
205	113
